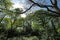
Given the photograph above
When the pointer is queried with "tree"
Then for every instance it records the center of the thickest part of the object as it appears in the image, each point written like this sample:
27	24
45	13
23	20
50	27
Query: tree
46	24
51	5
42	24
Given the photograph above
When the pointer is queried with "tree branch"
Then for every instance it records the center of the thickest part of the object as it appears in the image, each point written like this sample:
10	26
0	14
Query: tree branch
51	2
22	12
54	5
28	8
57	13
2	18
41	5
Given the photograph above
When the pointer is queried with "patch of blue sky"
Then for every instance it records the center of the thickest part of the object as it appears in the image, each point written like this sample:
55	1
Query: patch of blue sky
46	2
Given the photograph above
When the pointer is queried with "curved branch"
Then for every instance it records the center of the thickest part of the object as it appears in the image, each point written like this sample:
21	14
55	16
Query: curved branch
28	8
40	5
54	5
53	11
22	12
51	2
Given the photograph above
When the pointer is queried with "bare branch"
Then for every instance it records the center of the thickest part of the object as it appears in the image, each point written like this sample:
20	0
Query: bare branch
28	8
51	2
52	10
54	6
55	2
41	5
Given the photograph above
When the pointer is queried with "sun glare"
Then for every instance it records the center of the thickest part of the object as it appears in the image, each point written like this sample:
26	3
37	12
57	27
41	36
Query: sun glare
18	5
23	15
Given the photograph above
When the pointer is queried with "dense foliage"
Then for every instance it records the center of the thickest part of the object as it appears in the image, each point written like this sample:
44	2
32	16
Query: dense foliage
35	26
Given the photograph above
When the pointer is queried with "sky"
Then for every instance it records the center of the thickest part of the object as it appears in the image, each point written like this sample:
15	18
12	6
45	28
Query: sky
18	4
22	4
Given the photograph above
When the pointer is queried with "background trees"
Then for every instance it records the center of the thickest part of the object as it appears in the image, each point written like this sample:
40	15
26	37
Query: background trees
39	25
